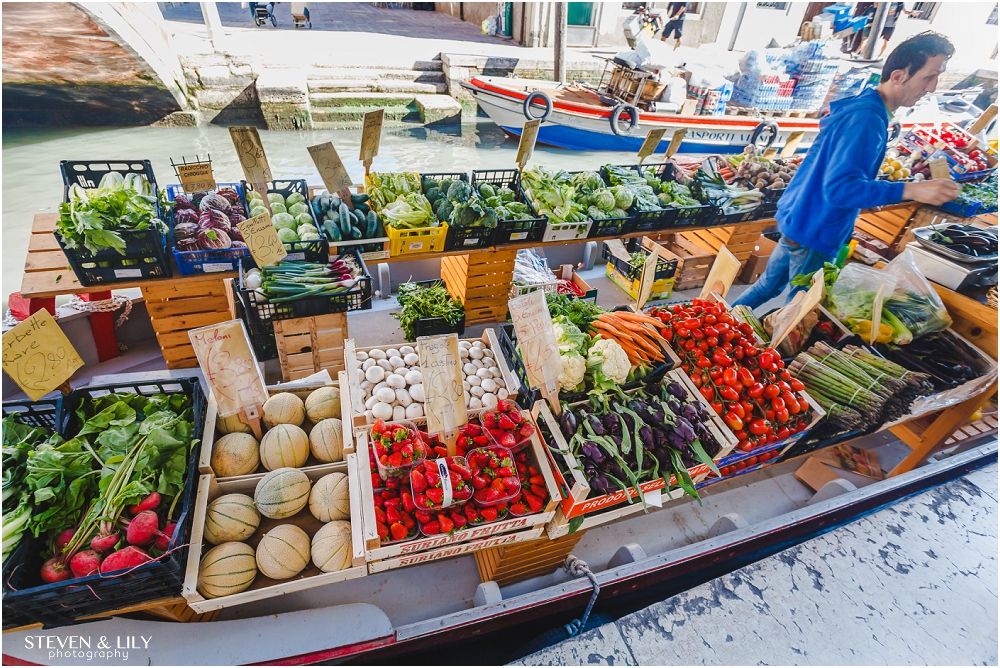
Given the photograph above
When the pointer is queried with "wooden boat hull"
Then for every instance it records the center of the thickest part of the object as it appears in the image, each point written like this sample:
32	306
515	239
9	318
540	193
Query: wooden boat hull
368	636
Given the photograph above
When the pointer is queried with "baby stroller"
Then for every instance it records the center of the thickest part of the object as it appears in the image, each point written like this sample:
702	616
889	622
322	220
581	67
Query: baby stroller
262	13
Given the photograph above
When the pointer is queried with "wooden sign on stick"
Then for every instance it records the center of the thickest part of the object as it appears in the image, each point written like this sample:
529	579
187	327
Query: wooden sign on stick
262	240
444	398
648	276
792	145
676	141
533	325
231	370
38	356
250	150
331	167
653	139
529	134
722	274
371	136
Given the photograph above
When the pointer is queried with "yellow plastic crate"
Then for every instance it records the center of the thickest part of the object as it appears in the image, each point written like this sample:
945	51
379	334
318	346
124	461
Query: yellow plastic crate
662	289
418	240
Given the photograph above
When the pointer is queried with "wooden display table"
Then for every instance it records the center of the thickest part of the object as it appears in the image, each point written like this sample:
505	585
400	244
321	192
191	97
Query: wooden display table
175	305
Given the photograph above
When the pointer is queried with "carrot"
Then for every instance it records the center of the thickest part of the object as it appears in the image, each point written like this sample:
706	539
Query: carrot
639	317
640	335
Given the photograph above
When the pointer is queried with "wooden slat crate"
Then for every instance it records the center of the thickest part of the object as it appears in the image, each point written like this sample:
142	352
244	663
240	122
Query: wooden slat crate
173	609
308	345
481	281
176	308
888	223
693	264
739	239
508	564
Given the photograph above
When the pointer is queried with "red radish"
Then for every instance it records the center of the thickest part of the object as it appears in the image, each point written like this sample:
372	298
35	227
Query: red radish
64	538
85	563
149	503
163	540
143	528
127	557
104	542
54	570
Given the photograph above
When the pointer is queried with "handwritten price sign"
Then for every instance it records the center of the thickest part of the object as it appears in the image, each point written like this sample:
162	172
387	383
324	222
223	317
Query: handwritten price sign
653	140
196	177
251	153
533	325
525	147
38	356
371	135
229	365
444	398
331	167
262	240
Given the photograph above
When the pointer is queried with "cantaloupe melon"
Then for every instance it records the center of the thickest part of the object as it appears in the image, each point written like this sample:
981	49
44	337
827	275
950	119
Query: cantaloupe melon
226	569
331	547
235	454
284	408
232	425
281	493
230	517
323	403
283	552
284	445
330	498
326	440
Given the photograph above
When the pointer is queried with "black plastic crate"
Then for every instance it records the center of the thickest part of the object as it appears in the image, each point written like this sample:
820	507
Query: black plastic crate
720	219
437	326
460	238
507	338
685	216
317	250
259	314
145	254
664	268
206	261
524	230
63	603
642	221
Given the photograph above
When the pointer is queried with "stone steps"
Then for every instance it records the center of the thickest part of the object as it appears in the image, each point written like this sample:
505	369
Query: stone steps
350	116
318	78
376	85
373	100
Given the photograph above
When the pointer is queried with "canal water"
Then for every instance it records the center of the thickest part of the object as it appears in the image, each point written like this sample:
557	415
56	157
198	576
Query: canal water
32	182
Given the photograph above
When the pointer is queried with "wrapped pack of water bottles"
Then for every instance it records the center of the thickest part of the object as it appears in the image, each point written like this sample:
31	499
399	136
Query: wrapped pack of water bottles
848	82
763	82
813	65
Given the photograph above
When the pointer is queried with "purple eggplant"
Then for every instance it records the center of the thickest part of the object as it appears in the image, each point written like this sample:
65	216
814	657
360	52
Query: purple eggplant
690	413
185	230
602	485
646	436
568	423
592	451
185	216
611	424
676	391
596	425
214	240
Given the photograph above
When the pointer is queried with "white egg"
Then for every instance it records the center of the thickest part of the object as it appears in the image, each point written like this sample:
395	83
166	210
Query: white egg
474	380
464	345
502	393
367	365
476	403
489	363
413	377
370	403
395	381
392	352
398	413
469	369
463	353
477	391
386	395
417	392
414	411
478	364
476	353
385	364
484	373
361	355
374	374
405	350
488	353
498	379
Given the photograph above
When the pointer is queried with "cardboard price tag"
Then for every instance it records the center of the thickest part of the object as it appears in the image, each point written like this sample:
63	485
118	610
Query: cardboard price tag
251	154
196	177
262	240
802	304
648	276
529	134
331	167
227	360
792	145
722	274
371	135
533	325
38	356
444	399
653	139
676	141
939	169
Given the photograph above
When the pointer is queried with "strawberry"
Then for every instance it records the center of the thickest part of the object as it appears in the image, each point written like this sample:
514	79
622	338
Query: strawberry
379	515
408	504
498	485
378	427
391	515
489	514
408	521
488	495
394	460
479	482
459	519
446	524
508	440
421	501
533	502
512	484
470	512
393	502
440	451
417	481
527	429
383	530
539	491
481	441
376	481
398	531
506	423
490	420
392	483
431	528
462	470
536	480
505	406
436	495
432	476
422	515
504	471
518	508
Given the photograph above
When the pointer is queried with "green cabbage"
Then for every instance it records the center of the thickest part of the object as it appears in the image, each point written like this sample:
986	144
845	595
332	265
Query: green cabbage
283	221
287	235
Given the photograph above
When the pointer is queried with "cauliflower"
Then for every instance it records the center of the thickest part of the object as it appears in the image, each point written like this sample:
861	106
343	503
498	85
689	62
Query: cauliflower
574	367
608	358
572	342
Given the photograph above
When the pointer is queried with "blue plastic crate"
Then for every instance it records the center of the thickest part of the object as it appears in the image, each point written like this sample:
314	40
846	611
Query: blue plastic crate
191	263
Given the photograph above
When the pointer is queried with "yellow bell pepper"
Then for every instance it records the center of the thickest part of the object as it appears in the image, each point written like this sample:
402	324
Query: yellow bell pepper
863	328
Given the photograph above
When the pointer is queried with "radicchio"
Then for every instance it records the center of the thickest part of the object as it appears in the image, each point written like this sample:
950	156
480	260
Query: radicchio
235	234
183	202
187	244
236	218
214	240
185	216
231	196
213	201
214	220
185	230
238	244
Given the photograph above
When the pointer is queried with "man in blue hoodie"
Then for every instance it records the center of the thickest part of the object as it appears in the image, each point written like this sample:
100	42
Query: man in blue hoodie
836	180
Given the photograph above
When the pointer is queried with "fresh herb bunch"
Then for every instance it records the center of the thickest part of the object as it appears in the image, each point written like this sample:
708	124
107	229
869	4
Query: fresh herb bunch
93	219
426	302
18	504
580	312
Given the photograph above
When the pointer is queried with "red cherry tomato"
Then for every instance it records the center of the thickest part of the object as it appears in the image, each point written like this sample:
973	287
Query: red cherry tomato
729	376
708	392
796	384
771	391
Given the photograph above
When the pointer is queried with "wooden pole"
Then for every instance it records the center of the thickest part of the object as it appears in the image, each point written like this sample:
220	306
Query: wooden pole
560	55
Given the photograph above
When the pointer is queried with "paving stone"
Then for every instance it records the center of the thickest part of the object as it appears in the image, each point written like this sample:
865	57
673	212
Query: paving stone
603	646
438	109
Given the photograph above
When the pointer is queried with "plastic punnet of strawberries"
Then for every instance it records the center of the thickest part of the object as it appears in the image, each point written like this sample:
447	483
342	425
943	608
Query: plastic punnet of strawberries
508	425
398	446
494	476
394	515
456	518
428	481
533	494
472	435
747	386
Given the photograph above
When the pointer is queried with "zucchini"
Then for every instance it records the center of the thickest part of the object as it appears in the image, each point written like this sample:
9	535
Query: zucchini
345	219
363	208
356	233
359	198
372	224
332	230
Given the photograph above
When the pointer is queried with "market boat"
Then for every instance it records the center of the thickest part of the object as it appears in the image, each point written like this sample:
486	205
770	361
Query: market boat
387	616
575	117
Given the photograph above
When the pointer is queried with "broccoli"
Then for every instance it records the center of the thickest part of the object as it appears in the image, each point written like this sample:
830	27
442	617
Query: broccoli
486	191
464	215
459	191
434	194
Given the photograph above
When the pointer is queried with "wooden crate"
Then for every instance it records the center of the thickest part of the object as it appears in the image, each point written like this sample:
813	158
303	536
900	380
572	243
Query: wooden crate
211	434
739	239
423	549
174	609
263	587
308	345
522	561
887	223
175	308
693	265
481	281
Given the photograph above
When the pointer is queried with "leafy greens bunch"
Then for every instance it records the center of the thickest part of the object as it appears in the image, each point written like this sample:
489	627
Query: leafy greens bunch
94	219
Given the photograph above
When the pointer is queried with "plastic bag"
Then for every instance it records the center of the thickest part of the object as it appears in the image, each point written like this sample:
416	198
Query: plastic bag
852	301
914	301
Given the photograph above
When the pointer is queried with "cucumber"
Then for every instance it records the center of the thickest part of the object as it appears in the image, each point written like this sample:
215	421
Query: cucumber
356	233
359	198
372	225
345	219
363	207
332	230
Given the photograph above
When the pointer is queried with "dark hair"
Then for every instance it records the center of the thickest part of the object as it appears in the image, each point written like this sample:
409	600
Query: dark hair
912	54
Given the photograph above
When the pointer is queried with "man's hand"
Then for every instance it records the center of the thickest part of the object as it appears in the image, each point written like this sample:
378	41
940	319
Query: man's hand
935	191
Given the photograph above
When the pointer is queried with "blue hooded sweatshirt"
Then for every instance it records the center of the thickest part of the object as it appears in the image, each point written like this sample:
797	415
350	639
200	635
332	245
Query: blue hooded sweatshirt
837	178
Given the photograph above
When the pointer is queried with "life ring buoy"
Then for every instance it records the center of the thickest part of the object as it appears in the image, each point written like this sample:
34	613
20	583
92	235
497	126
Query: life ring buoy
616	115
541	97
766	129
894	129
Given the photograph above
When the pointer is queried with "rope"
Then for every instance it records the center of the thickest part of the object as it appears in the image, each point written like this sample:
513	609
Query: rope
104	306
578	568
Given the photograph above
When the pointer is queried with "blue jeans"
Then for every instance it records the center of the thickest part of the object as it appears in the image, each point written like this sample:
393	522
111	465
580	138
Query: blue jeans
786	262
